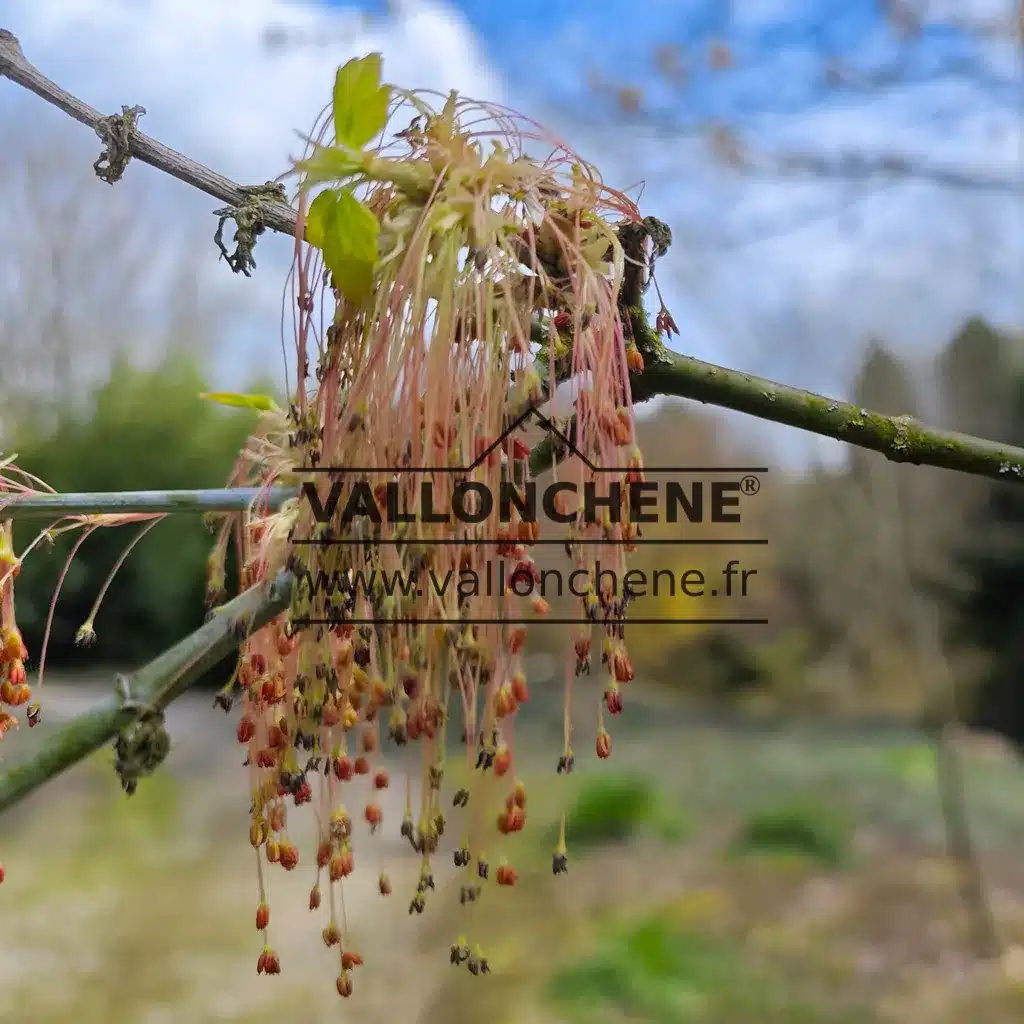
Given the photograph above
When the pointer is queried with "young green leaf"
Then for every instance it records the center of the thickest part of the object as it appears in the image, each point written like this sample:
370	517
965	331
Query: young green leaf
346	232
320	218
328	163
261	402
360	101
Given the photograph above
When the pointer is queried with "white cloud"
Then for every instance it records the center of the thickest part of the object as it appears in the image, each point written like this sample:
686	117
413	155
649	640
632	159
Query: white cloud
214	90
788	277
211	85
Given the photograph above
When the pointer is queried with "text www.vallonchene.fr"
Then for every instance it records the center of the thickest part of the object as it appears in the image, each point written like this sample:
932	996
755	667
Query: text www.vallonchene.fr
732	580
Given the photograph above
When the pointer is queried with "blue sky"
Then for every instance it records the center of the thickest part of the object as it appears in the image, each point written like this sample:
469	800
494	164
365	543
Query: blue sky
779	46
784	275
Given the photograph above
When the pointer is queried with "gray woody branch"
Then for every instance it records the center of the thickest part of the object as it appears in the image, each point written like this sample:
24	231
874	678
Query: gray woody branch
277	215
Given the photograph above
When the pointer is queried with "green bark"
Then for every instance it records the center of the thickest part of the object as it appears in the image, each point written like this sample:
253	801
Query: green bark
153	687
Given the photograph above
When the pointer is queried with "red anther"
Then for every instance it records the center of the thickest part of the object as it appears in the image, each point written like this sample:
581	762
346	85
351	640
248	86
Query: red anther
516	639
613	700
262	917
289	856
520	690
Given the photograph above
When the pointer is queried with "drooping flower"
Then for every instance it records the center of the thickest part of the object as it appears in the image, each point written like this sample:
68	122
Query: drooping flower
444	282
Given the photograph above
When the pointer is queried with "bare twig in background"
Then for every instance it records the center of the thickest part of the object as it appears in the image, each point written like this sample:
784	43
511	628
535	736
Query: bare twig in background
681	65
727	146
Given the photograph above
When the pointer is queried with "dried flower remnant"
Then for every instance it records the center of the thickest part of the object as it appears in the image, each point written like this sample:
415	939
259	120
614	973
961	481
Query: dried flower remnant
15	691
459	280
14	688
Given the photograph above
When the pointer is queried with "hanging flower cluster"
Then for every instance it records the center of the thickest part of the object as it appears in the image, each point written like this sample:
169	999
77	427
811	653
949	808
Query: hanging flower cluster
14	688
15	691
443	283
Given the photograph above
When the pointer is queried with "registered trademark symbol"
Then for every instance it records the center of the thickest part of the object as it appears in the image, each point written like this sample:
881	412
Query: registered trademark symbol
750	485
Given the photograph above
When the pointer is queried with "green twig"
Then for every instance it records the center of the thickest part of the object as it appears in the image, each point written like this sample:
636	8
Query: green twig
898	438
152	688
55	506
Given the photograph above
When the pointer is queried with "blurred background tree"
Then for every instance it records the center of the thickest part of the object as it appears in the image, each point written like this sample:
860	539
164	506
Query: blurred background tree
991	606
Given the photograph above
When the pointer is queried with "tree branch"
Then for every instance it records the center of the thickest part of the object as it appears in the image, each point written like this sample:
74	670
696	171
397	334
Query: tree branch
276	215
152	688
898	438
57	506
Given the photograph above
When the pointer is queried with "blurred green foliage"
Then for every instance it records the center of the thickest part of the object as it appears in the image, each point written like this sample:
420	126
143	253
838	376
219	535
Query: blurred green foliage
610	809
144	429
800	828
658	973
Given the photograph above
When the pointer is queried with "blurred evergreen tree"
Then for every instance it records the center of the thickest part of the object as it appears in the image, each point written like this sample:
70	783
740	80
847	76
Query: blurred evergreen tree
975	376
991	609
975	387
